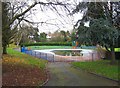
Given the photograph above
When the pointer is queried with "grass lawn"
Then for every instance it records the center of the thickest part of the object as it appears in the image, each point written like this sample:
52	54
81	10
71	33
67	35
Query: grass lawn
101	67
20	69
49	47
27	58
117	49
54	47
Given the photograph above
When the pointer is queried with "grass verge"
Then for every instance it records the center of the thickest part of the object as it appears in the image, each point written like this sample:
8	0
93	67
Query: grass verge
20	69
101	67
27	58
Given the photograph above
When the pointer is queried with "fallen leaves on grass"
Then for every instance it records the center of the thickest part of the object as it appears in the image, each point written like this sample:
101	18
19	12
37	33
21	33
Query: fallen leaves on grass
22	75
16	72
13	60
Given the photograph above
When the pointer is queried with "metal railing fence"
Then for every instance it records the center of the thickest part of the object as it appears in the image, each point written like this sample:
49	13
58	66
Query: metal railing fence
59	58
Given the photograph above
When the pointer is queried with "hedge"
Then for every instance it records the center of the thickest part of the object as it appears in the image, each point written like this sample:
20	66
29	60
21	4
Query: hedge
48	44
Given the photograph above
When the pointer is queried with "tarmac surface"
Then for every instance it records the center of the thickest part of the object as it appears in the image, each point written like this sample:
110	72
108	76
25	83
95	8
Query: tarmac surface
63	74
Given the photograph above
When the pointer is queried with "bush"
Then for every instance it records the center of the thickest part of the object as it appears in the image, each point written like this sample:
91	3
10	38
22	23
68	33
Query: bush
48	44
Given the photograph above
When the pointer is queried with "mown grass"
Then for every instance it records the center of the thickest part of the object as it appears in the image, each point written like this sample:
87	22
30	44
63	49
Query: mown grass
101	67
117	49
49	47
30	60
55	47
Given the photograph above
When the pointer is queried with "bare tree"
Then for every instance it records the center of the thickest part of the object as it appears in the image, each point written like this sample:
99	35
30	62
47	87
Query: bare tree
18	11
25	34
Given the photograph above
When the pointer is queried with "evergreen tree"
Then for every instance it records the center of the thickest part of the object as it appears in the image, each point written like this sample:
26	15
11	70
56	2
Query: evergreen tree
104	28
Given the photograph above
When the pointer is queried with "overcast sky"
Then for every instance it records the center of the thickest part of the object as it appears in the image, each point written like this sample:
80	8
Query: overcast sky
53	20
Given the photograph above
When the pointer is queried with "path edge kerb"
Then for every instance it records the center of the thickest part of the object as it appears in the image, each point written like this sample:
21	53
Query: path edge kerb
94	73
47	74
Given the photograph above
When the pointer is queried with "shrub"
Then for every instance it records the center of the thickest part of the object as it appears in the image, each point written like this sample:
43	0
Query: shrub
48	44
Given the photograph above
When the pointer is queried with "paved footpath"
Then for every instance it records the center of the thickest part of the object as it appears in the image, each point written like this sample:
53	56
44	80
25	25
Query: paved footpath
63	74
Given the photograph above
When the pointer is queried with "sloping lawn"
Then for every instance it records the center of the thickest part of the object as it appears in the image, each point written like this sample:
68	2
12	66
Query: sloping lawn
101	67
22	70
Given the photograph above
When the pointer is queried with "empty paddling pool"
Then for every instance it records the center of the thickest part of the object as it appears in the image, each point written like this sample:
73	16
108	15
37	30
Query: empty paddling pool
67	54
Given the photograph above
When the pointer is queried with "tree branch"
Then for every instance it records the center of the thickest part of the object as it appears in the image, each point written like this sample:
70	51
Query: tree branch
35	3
17	16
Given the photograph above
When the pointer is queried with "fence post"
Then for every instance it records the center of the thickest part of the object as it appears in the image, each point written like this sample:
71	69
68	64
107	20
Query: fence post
53	58
24	51
40	54
46	55
43	55
92	56
35	54
31	52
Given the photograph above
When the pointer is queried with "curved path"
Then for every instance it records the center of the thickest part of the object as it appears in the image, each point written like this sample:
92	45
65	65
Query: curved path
63	74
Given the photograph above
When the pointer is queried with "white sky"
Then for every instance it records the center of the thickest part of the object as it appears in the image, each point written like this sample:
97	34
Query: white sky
65	23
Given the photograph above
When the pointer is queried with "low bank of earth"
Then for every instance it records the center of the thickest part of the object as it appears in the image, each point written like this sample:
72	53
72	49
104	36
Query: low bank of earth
19	69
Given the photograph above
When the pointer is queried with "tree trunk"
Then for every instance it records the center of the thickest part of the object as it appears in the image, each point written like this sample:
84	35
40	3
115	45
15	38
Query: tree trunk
0	29
0	43
112	55
4	49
